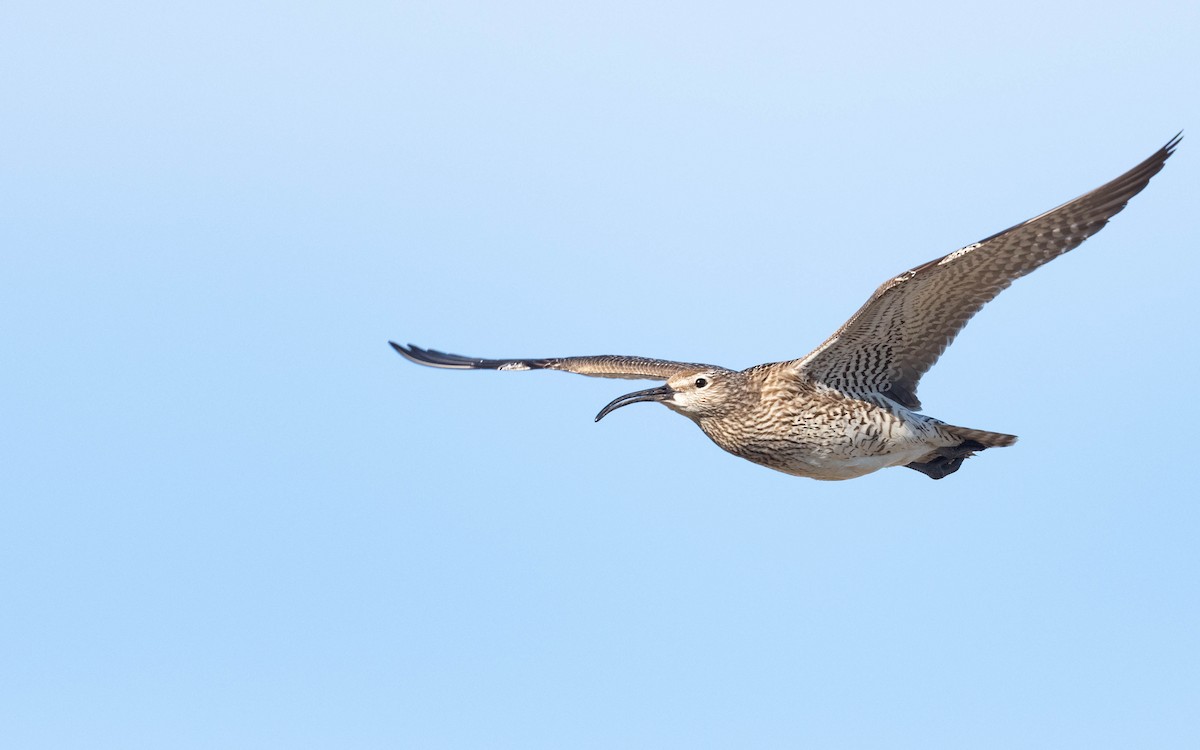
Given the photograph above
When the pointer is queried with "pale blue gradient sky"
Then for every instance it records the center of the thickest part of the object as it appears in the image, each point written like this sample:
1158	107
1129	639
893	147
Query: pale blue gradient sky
233	517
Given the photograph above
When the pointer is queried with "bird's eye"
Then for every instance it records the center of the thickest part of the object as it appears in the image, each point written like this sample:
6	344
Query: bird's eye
701	382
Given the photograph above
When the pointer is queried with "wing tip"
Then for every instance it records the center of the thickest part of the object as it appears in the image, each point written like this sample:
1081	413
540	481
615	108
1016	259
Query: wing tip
1159	158
431	357
445	361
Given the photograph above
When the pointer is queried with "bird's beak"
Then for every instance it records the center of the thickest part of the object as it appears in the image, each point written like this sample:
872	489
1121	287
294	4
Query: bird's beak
662	393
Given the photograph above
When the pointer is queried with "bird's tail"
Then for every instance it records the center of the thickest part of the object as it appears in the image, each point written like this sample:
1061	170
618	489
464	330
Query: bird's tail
945	461
983	437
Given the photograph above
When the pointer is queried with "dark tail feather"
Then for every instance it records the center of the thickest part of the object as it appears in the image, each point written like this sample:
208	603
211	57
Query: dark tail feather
984	438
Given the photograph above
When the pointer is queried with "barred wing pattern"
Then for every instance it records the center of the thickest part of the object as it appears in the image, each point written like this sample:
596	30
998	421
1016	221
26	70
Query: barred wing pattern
901	331
602	366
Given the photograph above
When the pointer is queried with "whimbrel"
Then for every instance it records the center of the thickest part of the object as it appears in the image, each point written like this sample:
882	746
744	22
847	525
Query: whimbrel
850	406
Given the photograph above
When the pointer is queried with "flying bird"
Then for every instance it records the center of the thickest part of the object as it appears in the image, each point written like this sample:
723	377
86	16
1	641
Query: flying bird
850	407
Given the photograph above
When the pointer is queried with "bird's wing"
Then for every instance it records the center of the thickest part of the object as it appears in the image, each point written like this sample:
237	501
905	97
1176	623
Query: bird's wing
603	366
901	331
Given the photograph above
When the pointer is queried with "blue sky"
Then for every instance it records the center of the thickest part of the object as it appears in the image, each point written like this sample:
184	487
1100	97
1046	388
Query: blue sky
233	517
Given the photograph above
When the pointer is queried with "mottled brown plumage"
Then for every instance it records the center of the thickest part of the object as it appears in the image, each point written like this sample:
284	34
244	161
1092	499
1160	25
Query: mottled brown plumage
849	407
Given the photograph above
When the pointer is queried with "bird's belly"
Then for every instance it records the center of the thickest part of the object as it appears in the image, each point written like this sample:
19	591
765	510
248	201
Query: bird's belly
833	468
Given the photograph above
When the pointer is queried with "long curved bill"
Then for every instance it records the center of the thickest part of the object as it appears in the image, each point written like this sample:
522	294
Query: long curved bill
662	393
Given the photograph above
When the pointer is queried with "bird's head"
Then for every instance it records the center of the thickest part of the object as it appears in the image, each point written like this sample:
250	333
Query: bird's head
694	393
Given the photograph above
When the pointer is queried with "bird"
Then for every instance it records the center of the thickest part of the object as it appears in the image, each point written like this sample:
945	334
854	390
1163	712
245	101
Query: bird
850	407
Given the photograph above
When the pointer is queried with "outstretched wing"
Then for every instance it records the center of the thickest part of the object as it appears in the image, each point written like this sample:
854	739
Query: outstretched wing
901	331
603	366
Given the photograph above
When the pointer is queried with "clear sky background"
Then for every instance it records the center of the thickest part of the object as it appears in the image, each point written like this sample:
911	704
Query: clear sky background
232	517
